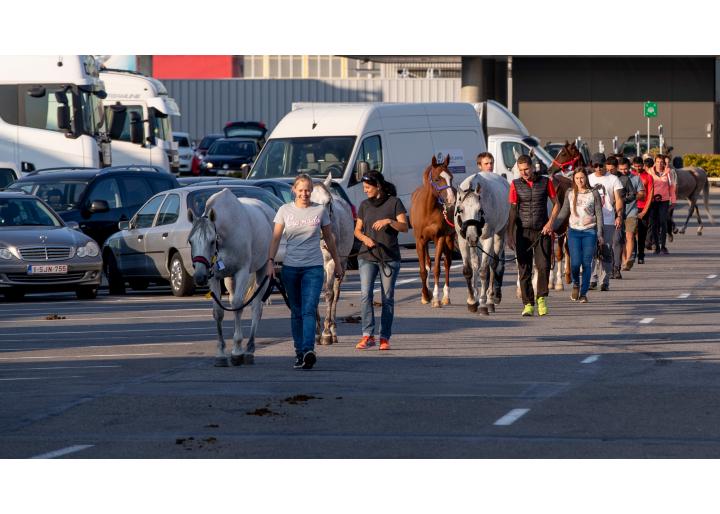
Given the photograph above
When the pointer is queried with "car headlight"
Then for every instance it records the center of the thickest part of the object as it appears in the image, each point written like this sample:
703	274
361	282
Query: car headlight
89	250
5	253
209	165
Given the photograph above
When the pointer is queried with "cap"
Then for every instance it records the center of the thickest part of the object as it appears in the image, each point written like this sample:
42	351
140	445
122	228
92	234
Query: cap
597	158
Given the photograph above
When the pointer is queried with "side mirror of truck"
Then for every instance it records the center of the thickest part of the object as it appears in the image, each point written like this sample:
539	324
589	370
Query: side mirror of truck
63	117
362	169
137	131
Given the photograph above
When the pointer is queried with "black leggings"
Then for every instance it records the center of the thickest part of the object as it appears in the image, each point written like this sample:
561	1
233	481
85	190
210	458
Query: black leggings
659	216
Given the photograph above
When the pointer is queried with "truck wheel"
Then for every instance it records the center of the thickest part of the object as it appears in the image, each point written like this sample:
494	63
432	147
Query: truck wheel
116	282
181	283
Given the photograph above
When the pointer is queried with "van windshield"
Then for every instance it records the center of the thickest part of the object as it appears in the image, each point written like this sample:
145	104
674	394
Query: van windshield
316	156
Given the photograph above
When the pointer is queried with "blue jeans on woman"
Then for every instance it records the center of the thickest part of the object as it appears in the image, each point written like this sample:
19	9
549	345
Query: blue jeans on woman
303	286
582	245
368	273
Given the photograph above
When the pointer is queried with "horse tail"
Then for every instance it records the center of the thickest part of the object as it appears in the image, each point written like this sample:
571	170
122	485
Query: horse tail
706	194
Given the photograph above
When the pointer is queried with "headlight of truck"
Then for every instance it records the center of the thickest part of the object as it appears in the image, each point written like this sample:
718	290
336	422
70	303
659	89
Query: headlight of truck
89	250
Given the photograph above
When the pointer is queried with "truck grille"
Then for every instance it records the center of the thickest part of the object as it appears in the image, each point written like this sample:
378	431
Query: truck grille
46	253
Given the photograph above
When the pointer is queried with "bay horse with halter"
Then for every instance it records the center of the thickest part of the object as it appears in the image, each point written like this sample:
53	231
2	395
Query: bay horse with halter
565	162
430	216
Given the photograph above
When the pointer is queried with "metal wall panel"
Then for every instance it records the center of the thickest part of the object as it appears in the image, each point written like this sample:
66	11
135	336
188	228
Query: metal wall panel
206	105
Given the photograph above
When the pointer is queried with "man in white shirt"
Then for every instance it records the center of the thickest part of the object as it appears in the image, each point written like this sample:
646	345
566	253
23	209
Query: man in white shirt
611	193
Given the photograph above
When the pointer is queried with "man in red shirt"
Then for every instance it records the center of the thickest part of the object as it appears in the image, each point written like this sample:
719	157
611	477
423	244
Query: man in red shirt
643	206
529	231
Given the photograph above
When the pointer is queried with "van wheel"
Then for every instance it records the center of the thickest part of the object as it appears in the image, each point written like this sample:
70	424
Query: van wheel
116	282
14	295
86	293
181	283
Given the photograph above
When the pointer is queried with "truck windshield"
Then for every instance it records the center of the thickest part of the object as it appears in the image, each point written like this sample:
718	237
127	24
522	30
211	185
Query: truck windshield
161	127
316	156
93	115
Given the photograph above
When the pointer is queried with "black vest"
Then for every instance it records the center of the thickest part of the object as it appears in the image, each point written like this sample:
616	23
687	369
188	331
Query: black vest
532	203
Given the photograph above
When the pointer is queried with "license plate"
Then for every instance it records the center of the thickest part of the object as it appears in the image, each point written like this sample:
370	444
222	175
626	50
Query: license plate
47	268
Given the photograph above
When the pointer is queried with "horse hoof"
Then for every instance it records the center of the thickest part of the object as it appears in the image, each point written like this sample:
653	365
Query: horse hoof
484	311
236	360
436	304
424	301
248	358
559	286
699	232
491	307
326	339
675	231
473	307
334	339
446	301
221	362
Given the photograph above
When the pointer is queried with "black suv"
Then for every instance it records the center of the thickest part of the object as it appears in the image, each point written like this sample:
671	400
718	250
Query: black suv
97	199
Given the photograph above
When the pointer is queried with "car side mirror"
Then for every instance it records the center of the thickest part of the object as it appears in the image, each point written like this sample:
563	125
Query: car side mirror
137	131
362	169
124	225
97	206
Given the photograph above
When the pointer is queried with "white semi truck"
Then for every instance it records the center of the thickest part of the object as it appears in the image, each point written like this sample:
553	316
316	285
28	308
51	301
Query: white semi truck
51	113
138	111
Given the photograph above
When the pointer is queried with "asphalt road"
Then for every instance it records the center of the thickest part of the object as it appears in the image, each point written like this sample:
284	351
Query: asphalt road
631	374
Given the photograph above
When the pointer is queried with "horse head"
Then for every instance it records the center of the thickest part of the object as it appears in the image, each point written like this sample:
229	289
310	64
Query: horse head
568	159
469	214
322	195
438	176
203	241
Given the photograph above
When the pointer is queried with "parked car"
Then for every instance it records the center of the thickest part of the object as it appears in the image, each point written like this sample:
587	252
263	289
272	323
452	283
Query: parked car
279	187
228	155
201	150
40	252
153	246
96	199
629	149
185	150
7	177
247	129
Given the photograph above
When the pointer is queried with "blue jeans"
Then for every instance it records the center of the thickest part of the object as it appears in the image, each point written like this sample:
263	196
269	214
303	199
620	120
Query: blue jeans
303	286
368	273
583	246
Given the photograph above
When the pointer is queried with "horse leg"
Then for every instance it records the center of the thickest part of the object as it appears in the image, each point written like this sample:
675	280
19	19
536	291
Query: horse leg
692	204
447	259
421	248
333	312
559	267
700	223
484	273
238	297
218	314
322	331
439	249
498	269
257	310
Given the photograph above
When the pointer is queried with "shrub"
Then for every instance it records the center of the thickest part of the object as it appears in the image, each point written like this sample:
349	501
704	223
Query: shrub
708	162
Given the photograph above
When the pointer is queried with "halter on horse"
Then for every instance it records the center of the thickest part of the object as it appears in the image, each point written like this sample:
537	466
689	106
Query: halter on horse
430	220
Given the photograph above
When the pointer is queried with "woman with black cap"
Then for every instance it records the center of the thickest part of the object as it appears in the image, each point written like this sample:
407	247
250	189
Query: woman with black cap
380	218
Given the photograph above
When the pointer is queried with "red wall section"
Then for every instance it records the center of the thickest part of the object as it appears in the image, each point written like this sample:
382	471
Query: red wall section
192	66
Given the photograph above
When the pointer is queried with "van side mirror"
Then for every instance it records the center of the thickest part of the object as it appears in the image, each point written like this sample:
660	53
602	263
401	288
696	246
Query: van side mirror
97	206
63	117
362	169
137	130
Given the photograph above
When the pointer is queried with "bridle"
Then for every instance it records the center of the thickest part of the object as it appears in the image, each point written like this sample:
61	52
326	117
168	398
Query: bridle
567	164
201	259
464	225
439	189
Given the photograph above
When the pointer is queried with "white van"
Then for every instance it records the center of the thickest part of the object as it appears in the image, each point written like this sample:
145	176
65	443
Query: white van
138	111
397	139
51	113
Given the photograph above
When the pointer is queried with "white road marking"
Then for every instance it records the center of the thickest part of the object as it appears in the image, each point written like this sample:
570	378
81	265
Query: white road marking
511	417
646	321
591	359
60	357
124	317
712	276
684	295
58	367
35	378
63	451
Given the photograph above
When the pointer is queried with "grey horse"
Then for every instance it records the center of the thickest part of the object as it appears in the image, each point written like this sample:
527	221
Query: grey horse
230	242
482	209
691	182
341	219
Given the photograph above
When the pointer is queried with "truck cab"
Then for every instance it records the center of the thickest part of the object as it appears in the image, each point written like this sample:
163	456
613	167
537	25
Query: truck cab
138	111
51	113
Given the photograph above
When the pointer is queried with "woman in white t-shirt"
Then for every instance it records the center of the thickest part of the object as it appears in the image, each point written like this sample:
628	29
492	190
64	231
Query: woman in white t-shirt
303	273
585	229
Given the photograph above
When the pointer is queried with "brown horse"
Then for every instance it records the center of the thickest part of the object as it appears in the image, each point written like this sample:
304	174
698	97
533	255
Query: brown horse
565	162
430	215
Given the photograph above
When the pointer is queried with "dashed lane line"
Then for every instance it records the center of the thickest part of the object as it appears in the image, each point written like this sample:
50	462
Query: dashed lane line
79	356
16	379
591	359
63	451
511	417
646	321
684	295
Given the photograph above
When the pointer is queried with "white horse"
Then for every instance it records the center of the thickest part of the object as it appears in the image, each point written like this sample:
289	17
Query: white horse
481	215
230	242
342	228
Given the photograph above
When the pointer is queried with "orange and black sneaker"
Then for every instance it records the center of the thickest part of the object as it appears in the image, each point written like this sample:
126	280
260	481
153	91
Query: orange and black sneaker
365	343
384	344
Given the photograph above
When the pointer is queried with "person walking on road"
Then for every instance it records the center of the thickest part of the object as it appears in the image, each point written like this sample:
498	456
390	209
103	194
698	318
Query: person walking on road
584	208
643	206
486	162
529	230
663	198
634	191
611	193
380	218
303	273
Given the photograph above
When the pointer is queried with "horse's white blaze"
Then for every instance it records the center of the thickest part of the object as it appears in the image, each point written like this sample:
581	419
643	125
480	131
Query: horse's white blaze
449	191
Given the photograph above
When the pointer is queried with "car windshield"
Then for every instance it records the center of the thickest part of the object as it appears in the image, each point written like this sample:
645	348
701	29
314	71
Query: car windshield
239	148
26	212
207	141
61	195
316	156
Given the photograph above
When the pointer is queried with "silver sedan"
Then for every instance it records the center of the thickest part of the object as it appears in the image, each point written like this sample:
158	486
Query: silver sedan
39	252
153	246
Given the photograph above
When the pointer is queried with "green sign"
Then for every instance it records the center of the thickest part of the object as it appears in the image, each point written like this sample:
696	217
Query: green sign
651	110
